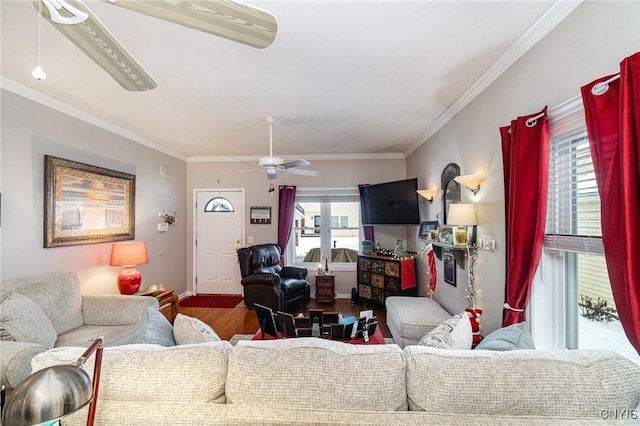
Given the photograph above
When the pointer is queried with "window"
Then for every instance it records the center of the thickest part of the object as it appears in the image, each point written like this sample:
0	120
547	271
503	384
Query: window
326	225
572	287
218	204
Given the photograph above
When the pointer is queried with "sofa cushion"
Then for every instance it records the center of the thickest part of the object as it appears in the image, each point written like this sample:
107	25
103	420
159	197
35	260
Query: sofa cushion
311	373
187	373
114	335
24	321
51	292
189	330
571	383
454	333
512	337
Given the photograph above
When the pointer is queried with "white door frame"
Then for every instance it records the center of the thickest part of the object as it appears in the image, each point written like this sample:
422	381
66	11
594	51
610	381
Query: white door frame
194	218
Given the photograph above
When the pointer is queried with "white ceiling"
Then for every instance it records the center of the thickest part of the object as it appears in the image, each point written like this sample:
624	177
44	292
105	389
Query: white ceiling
347	78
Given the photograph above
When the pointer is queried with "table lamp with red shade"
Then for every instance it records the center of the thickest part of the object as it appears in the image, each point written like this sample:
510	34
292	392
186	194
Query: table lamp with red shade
128	255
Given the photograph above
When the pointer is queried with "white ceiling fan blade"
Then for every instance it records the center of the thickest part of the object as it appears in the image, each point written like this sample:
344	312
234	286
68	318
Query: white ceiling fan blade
295	163
302	172
95	40
223	18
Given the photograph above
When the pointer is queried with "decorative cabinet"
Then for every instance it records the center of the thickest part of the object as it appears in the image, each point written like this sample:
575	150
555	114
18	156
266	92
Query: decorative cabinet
325	288
381	276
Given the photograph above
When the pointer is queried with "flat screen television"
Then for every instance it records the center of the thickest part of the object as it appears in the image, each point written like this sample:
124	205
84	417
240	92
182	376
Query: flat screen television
390	203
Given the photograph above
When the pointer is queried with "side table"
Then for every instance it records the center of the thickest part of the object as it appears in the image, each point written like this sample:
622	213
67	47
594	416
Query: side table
325	288
166	297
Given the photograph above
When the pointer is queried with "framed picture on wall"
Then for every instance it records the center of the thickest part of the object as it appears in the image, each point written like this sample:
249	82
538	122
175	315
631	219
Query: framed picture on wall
260	215
86	204
425	228
449	267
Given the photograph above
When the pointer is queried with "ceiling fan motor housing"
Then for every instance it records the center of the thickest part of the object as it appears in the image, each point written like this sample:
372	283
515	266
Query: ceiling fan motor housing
270	161
272	173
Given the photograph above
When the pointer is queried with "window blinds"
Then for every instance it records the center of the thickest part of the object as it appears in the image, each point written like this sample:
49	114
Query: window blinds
573	208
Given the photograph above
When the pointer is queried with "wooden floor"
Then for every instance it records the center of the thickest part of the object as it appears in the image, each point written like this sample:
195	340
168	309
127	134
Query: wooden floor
227	322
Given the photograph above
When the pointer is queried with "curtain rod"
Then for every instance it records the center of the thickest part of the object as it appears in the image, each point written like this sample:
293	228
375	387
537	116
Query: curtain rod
602	87
597	89
533	120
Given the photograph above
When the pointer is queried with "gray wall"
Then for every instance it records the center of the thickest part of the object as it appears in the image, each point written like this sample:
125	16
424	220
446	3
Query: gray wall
29	131
336	173
588	44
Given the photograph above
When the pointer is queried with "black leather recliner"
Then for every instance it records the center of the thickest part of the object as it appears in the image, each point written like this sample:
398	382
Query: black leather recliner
267	283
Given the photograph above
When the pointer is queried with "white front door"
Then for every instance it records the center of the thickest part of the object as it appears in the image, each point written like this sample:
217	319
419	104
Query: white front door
219	233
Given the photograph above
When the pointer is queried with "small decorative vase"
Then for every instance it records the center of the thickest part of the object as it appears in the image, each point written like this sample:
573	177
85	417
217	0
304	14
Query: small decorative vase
460	236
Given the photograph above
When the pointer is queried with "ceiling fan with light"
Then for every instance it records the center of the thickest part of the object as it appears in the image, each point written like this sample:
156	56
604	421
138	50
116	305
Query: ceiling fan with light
274	165
223	18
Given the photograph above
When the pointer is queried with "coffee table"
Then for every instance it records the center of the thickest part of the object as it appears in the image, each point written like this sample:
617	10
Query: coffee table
376	339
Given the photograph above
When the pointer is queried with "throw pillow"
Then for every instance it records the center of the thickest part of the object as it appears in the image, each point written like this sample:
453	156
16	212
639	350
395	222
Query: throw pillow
158	329
23	320
454	333
509	338
187	330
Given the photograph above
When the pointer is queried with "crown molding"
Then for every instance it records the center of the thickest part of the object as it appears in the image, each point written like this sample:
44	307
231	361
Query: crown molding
315	157
554	15
56	104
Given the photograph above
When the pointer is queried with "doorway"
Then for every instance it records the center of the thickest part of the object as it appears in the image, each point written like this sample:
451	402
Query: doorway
219	223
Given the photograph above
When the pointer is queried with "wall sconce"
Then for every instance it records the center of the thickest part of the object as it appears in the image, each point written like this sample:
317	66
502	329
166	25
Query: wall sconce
427	194
472	182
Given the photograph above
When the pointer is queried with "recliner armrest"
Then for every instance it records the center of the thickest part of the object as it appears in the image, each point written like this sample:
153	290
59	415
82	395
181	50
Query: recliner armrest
294	272
116	309
261	279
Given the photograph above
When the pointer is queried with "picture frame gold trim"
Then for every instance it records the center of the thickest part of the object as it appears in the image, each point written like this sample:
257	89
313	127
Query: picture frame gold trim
85	204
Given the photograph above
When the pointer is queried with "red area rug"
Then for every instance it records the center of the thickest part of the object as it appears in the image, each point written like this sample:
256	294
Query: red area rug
204	301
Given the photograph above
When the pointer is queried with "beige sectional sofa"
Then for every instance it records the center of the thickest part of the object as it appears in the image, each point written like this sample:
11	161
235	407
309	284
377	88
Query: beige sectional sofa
39	313
314	381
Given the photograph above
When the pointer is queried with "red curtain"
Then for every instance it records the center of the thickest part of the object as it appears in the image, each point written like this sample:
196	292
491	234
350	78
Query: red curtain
525	157
613	125
368	230
286	210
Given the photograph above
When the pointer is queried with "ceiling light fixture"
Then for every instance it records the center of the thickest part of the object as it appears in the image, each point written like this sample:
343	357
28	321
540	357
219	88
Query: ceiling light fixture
38	73
472	182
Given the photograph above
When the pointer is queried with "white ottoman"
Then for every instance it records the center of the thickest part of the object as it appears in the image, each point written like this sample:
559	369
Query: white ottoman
410	318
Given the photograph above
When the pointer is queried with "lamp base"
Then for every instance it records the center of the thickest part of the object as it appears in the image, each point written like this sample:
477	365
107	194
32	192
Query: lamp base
460	236
129	280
